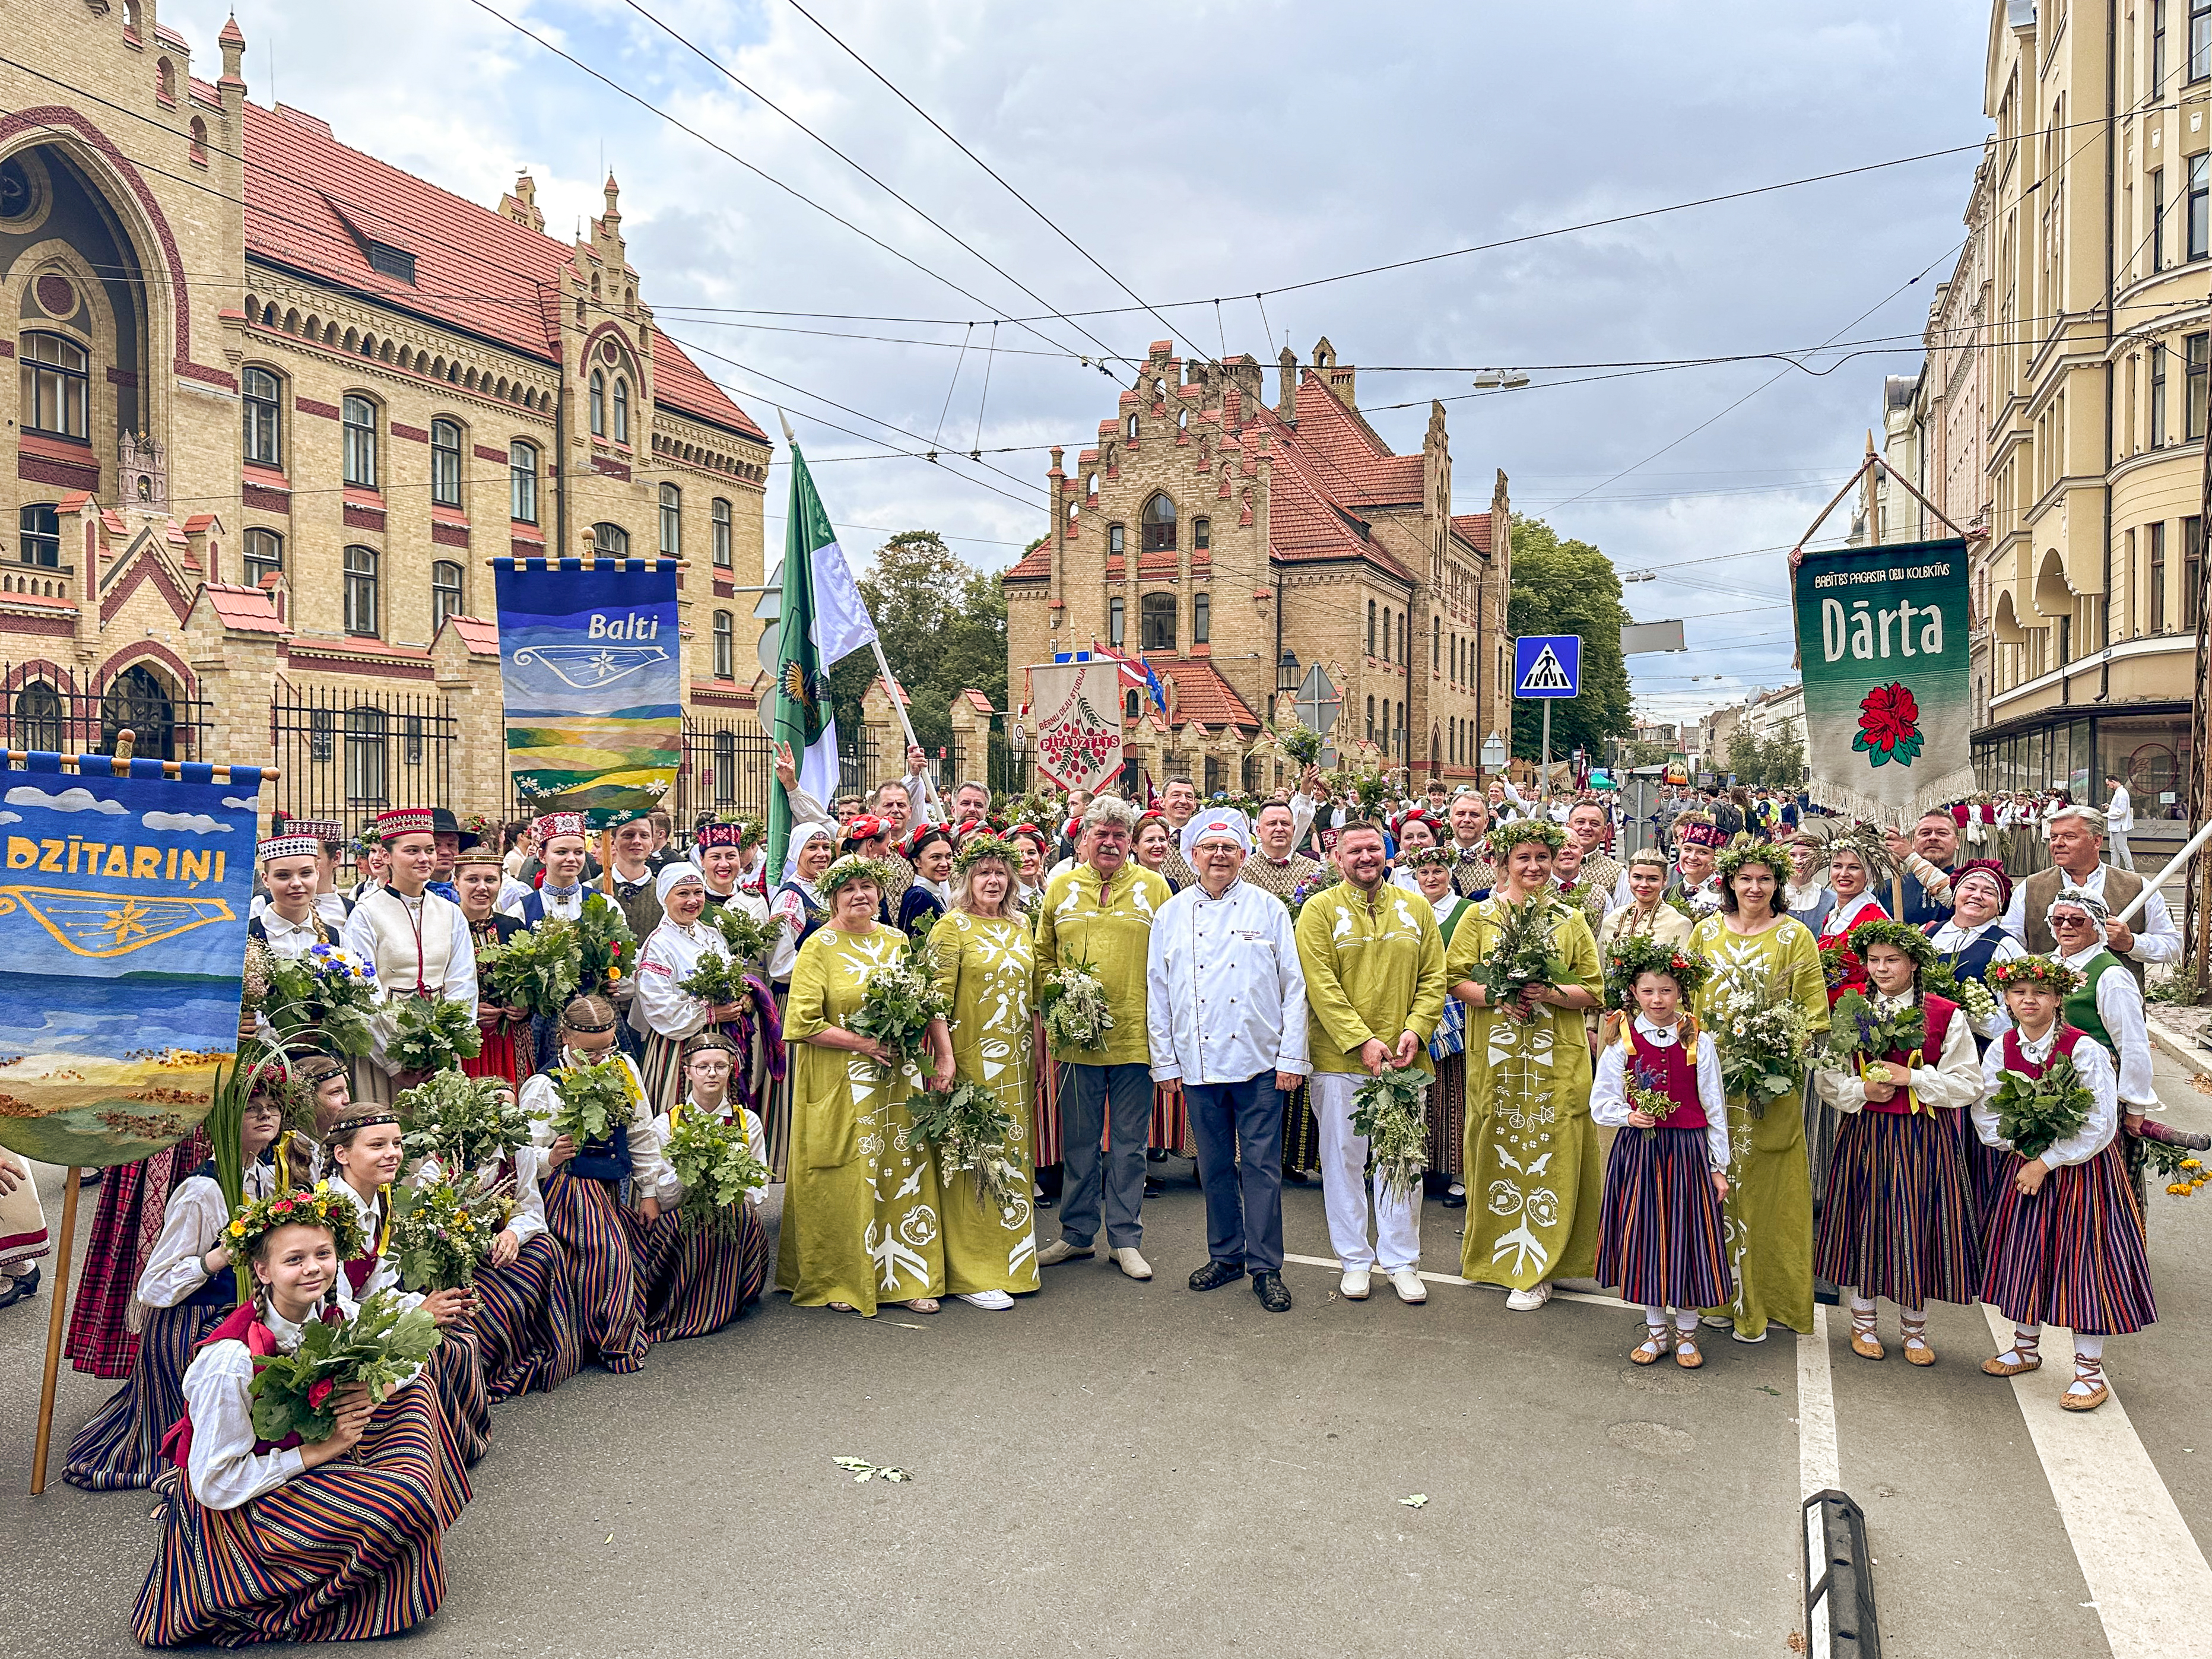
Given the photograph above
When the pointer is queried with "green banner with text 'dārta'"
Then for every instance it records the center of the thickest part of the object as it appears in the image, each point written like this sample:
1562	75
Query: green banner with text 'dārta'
1882	638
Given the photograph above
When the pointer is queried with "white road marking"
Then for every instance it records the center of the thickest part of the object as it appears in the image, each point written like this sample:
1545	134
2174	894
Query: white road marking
2148	1578
1817	1468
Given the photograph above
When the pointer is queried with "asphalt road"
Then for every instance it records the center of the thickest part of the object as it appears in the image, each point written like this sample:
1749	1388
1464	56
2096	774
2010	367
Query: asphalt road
1115	1468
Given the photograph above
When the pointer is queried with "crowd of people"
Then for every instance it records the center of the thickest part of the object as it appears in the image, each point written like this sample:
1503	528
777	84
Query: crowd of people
1240	985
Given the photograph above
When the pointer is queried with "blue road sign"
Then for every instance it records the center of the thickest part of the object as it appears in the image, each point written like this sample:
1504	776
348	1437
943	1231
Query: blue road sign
1547	665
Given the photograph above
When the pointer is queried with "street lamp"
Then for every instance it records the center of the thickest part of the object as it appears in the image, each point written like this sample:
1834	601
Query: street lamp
1286	672
1501	380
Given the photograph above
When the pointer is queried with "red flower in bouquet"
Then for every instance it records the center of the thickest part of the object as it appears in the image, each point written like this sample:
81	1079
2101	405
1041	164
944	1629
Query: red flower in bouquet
318	1391
1889	726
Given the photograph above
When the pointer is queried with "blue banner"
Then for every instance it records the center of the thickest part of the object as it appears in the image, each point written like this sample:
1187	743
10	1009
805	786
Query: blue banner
591	664
124	901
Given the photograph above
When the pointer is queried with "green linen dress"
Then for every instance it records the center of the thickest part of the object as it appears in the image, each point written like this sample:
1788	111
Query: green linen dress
986	967
861	1219
1536	1171
1767	1217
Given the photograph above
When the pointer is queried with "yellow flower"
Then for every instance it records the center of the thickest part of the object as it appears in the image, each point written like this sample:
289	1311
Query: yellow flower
460	1217
237	1230
2192	1163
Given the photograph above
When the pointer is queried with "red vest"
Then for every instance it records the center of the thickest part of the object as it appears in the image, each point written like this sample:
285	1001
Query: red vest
242	1325
1938	1012
2068	1035
1676	1063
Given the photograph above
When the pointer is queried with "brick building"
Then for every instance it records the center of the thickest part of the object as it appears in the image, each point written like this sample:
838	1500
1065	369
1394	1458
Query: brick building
278	406
1227	541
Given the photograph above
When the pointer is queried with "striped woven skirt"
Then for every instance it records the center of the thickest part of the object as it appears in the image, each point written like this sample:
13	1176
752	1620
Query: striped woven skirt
697	1282
1170	1130
346	1552
502	1055
1301	1134
775	1118
1045	1082
120	1450
1446	1107
1659	1236
1899	1220
526	1323
455	1370
608	1308
1988	1169
2072	1255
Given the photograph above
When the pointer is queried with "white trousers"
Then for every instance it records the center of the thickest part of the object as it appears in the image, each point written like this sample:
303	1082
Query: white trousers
2116	852
1344	1186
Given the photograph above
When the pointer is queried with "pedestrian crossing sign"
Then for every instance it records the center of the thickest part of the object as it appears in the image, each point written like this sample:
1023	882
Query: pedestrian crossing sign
1547	665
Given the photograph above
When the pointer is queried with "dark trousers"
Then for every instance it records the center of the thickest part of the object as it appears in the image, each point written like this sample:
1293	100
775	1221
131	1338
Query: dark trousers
1092	1098
1239	1130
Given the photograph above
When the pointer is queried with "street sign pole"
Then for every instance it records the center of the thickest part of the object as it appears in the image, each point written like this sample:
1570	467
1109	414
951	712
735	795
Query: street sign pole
1544	777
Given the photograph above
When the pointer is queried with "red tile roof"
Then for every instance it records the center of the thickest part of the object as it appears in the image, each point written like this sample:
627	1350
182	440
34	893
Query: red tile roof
248	610
1200	693
1474	527
482	637
310	200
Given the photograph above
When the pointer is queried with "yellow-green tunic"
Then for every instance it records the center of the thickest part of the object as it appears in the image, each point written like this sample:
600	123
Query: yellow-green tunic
861	1219
1535	1176
1109	924
986	966
1374	970
1768	1214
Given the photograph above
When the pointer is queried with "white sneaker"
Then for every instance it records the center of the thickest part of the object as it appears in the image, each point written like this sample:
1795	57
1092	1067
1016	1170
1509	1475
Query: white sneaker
1353	1286
1406	1281
996	1301
1132	1263
1529	1300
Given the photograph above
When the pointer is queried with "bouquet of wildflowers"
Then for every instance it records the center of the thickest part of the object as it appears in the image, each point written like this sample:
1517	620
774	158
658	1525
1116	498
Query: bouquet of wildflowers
1388	1111
717	1168
749	941
1859	1034
325	995
1761	1037
432	1034
1295	900
537	970
593	1101
1970	994
378	1345
901	1000
1300	743
464	1123
1524	954
605	945
1645	1095
714	978
969	1129
442	1230
1073	1001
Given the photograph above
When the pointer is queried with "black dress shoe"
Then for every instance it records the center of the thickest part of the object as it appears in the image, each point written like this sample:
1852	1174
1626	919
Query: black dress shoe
1268	1287
19	1288
1214	1274
1296	1178
1155	1155
1152	1188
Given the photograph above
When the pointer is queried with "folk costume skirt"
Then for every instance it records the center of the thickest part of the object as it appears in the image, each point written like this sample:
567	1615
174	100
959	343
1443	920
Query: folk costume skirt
120	1450
607	1305
1899	1217
2072	1255
503	1055
455	1371
662	1071
526	1323
346	1552
1661	1231
1045	1081
1446	1108
697	1282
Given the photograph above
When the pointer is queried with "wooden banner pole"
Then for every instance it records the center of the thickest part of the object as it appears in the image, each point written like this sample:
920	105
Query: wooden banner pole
57	1316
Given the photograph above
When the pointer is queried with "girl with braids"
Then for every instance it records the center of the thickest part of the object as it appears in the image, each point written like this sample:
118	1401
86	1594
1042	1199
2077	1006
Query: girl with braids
583	1202
696	1282
334	1539
1899	1217
189	1287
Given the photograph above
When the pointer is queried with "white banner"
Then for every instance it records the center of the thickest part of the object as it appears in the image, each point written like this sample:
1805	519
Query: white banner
1078	723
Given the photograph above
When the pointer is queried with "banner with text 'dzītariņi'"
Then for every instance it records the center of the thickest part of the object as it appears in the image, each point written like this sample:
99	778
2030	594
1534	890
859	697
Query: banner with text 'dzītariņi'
1882	637
591	670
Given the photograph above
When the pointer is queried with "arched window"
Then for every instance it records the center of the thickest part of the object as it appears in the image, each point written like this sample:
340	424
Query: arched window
264	418
264	556
721	519
38	718
365	764
39	535
165	81
1159	524
725	645
56	386
1386	633
621	409
359	419
599	405
672	522
522	483
197	152
610	541
1201	534
1156	619
445	462
1202	619
137	700
1132	706
449	597
1132	428
1090	487
1370	628
360	606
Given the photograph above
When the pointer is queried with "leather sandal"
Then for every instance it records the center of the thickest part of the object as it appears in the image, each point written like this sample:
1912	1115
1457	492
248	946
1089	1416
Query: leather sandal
1866	1341
2091	1371
1686	1350
2013	1362
923	1305
1917	1351
1647	1352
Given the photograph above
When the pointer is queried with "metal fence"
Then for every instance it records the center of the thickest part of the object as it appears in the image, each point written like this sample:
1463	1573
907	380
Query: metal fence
61	711
1000	772
858	771
347	755
729	767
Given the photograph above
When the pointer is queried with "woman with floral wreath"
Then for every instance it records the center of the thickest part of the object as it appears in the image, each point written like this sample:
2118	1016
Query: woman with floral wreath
1533	1162
1898	1220
862	1218
987	967
1152	848
332	1539
1750	948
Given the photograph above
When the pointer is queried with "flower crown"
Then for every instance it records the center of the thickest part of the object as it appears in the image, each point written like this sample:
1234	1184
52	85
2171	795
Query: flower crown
1901	936
1753	852
2046	971
1415	858
1506	836
257	1218
854	868
1630	958
982	845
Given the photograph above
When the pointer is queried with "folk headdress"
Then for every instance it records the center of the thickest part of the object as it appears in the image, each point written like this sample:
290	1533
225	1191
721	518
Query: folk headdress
334	1212
2046	971
1505	837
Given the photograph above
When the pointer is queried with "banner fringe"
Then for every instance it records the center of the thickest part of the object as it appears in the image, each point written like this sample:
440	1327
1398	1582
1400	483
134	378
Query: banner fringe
1955	785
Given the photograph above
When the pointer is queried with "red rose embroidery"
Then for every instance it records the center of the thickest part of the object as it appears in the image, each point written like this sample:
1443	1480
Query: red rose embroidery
1889	726
319	1391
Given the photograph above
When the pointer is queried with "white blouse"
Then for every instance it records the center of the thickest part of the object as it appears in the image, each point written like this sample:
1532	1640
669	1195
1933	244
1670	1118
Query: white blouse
1954	1081
787	909
672	952
2095	1067
672	1189
383	930
1610	1105
648	1169
2120	1005
191	1226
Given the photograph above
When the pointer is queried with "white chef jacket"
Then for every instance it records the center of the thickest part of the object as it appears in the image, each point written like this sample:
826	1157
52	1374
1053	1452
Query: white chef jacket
2156	939
2095	1067
1609	1103
1224	995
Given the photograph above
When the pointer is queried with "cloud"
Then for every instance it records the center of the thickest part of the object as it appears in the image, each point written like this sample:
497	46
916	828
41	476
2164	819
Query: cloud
198	822
11	817
241	803
79	800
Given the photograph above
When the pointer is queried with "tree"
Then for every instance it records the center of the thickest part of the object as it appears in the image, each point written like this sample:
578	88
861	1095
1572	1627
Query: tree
1635	751
1570	587
1781	760
943	628
1745	758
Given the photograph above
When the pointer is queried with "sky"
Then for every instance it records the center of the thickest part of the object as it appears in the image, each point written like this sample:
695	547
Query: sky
1213	151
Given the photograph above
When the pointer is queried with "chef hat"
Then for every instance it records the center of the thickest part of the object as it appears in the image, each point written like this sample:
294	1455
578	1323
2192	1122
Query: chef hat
1217	821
